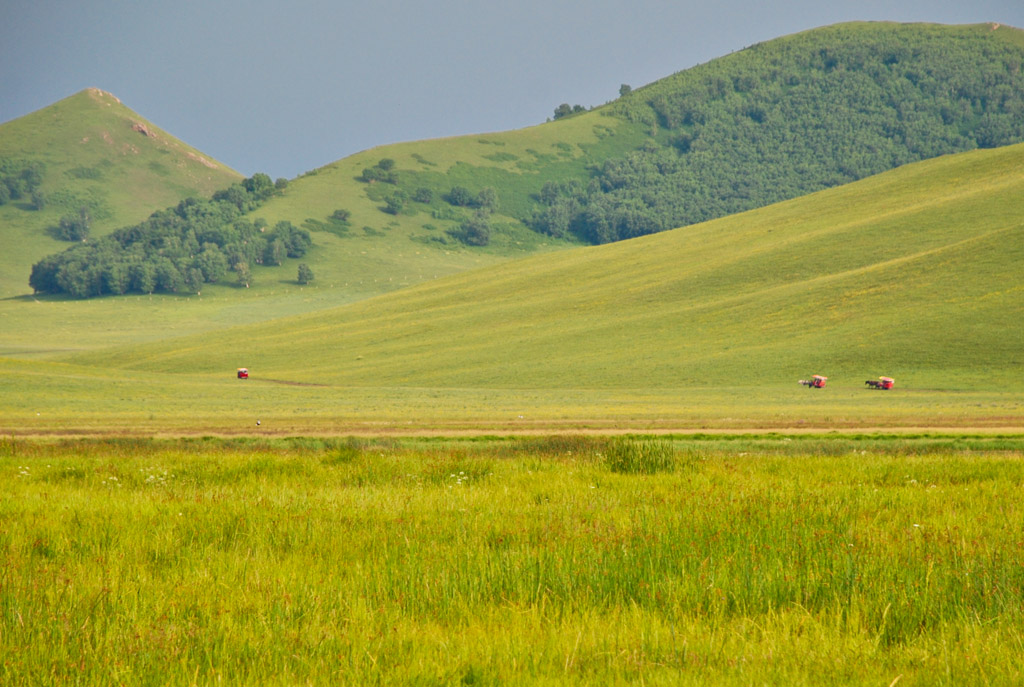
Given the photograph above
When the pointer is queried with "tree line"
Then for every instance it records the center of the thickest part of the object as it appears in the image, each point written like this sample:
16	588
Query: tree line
177	249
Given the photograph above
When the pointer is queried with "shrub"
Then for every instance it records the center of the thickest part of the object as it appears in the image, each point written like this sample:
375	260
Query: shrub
394	204
460	196
382	171
473	232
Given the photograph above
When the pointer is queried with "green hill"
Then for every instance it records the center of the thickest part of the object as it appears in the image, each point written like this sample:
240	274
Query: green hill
775	121
92	153
914	273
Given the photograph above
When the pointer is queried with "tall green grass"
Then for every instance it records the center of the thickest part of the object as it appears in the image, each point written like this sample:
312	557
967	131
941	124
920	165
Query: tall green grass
509	562
634	456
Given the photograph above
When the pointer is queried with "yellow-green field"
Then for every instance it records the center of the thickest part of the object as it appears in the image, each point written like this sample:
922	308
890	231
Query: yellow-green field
851	560
45	398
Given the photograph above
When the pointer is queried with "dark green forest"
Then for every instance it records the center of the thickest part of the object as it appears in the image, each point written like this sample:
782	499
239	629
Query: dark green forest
793	116
178	249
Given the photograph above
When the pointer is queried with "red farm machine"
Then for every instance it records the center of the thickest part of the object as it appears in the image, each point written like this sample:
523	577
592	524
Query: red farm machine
881	383
815	382
243	373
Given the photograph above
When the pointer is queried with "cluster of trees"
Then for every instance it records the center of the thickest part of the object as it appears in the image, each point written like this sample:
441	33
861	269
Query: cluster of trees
177	249
791	117
476	230
383	171
486	199
564	110
75	227
396	202
20	180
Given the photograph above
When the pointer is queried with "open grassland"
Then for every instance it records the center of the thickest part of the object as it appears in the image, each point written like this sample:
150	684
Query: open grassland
776	560
52	398
913	274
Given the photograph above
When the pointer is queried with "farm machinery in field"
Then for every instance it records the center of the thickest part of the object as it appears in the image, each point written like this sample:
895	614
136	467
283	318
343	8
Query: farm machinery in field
819	381
815	382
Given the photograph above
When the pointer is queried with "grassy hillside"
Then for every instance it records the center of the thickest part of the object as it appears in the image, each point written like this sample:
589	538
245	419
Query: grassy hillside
796	115
913	273
94	153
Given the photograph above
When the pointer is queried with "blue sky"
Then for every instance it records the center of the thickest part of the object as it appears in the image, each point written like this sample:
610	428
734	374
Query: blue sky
285	87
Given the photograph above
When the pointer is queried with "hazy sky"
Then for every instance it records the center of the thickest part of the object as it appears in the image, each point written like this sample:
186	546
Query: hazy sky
284	86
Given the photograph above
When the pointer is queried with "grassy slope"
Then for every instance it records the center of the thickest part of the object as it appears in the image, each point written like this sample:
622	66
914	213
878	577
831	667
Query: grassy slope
378	252
914	273
94	157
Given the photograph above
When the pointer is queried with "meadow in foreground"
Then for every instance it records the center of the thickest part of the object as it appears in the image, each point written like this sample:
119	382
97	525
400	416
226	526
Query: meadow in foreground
562	560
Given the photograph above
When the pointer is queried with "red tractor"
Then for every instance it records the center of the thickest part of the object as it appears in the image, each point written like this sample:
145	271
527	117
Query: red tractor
243	373
881	383
815	382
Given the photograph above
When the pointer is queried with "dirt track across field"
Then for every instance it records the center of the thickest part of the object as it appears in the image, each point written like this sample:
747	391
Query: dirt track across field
267	430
